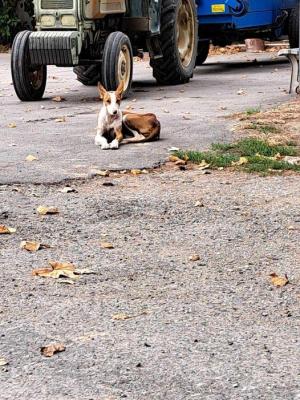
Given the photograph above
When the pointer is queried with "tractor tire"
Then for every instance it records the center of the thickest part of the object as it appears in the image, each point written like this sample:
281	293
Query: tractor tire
88	75
203	50
117	62
293	31
29	82
178	42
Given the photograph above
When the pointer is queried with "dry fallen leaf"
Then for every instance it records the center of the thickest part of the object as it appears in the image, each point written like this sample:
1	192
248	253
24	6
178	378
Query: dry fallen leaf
136	172
203	165
241	161
30	246
51	349
42	210
56	270
120	317
194	257
12	125
33	246
6	229
106	245
100	172
62	119
173	158
279	281
3	362
180	162
58	99
30	157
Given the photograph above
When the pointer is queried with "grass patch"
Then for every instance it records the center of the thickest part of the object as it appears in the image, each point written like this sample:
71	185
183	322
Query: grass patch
250	154
252	111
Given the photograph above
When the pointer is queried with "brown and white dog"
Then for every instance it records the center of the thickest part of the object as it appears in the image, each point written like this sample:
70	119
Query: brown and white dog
115	126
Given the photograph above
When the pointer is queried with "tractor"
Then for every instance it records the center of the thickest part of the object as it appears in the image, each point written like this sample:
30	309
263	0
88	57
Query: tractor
100	38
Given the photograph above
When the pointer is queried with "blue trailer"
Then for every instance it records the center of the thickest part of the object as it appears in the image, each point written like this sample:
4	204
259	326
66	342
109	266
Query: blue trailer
223	22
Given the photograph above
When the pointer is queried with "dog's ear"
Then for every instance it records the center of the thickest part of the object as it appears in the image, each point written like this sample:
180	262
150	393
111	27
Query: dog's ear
120	90
102	91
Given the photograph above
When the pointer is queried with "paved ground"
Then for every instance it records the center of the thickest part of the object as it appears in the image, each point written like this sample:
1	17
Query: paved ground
191	116
214	329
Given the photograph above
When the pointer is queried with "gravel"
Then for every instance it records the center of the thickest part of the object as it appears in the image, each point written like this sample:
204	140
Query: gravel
210	329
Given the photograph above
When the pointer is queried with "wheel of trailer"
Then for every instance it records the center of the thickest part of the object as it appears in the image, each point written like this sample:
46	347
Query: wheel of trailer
117	62
178	42
29	81
203	50
293	30
88	75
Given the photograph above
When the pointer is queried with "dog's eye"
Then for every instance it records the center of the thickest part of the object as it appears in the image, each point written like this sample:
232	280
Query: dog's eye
108	101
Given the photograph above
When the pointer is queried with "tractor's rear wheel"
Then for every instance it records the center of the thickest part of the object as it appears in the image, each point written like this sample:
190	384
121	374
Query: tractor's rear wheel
29	81
203	50
117	62
293	31
88	75
178	41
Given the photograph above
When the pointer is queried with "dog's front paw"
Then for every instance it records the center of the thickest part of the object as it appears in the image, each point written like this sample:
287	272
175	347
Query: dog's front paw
114	144
105	146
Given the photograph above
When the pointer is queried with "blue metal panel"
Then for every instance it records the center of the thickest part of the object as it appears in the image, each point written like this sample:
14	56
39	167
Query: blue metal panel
260	13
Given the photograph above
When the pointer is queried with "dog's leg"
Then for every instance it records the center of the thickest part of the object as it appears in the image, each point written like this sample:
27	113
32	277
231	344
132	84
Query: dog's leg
101	141
116	142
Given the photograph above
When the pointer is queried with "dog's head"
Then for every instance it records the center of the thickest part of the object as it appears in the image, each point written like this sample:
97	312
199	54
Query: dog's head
111	100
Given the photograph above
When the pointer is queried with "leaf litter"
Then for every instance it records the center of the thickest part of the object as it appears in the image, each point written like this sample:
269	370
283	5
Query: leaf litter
51	349
57	270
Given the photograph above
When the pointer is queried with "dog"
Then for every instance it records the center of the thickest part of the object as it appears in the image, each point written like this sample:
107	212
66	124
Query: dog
115	127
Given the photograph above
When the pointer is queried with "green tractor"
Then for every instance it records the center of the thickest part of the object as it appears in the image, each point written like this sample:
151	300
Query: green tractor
99	39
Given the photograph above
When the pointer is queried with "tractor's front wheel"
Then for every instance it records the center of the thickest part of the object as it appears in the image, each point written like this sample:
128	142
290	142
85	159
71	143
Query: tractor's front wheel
203	50
29	81
117	62
178	42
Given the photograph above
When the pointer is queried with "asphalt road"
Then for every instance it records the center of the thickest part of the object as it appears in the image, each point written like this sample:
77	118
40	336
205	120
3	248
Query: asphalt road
213	329
191	116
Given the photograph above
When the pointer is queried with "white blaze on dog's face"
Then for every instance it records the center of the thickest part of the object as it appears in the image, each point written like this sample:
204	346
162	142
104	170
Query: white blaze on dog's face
111	100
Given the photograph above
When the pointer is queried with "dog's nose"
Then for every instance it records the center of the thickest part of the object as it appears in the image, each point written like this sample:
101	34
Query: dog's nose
115	112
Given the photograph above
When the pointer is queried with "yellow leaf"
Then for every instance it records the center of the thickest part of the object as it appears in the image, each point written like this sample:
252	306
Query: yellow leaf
203	165
30	157
241	161
279	281
136	171
106	245
51	349
42	210
173	158
12	125
6	229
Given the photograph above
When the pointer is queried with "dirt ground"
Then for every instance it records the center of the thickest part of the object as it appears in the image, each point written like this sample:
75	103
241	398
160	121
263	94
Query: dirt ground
150	323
